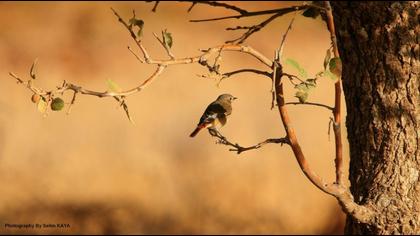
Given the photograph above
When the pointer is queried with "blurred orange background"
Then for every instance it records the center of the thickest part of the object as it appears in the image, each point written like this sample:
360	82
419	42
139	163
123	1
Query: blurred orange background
99	173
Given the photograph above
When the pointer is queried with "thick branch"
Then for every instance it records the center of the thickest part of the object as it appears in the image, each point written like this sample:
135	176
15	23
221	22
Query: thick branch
337	101
341	193
238	148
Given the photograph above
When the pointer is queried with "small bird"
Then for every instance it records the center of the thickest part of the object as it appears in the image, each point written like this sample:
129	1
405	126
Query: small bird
216	114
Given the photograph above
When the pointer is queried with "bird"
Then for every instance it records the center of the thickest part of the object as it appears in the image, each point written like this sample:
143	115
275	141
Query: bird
216	114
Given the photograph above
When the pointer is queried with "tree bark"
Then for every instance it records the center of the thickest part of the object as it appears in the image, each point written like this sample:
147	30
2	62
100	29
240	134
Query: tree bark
379	48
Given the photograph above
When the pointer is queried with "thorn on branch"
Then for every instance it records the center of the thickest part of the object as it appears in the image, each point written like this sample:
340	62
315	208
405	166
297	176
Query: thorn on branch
123	103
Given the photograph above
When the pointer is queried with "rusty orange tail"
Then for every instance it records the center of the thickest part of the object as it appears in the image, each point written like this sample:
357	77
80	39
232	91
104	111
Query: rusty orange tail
195	132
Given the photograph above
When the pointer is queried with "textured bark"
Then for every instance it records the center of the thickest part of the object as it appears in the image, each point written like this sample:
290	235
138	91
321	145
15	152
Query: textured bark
379	47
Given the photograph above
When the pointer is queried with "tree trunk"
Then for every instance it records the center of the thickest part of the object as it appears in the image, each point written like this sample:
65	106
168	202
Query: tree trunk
379	47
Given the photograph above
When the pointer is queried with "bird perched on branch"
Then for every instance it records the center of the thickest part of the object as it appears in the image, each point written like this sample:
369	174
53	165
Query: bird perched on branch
216	114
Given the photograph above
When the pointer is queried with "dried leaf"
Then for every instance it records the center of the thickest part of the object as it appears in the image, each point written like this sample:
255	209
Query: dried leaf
42	105
137	22
327	58
311	12
302	96
167	38
330	75
335	66
32	72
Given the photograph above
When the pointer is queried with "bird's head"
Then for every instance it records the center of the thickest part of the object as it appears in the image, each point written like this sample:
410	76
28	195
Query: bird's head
226	97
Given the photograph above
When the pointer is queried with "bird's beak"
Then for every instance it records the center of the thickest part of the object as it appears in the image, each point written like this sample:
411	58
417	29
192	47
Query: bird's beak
234	98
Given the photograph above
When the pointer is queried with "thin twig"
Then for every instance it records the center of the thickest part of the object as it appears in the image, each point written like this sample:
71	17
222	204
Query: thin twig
218	4
285	35
133	35
79	89
277	62
281	11
238	148
253	29
191	7
329	127
155	6
73	100
168	51
260	72
239	28
137	57
291	77
311	103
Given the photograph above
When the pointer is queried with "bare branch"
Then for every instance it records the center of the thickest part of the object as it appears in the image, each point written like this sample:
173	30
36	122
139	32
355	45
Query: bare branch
280	11
260	72
211	3
137	57
133	35
79	89
239	28
310	103
155	6
191	7
285	35
218	4
253	29
238	148
337	106
167	49
291	77
73	100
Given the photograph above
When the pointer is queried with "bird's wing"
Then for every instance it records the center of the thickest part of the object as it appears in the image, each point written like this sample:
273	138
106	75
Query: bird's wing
213	111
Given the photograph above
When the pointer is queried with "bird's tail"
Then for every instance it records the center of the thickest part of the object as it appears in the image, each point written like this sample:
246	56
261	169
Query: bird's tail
195	132
199	127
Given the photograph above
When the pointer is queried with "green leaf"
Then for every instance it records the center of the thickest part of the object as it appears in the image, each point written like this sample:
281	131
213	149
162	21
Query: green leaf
335	66
57	104
293	63
311	12
327	58
302	96
137	22
113	87
331	75
167	38
306	86
42	105
302	87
